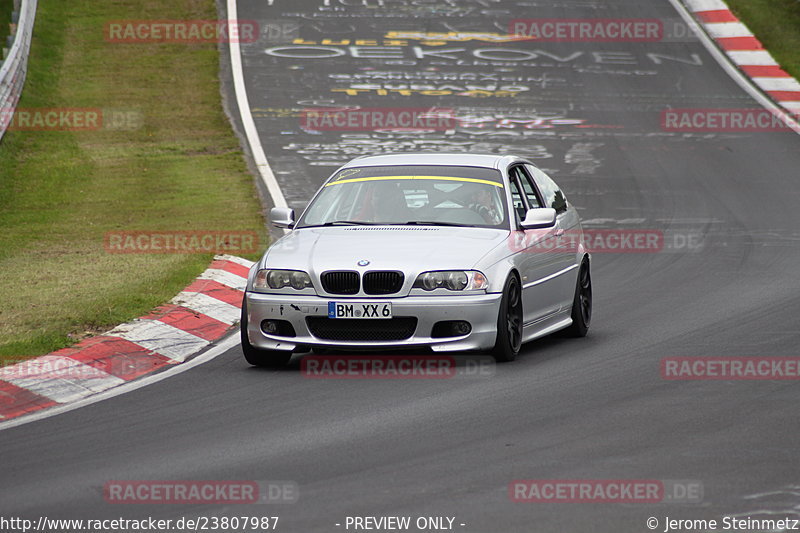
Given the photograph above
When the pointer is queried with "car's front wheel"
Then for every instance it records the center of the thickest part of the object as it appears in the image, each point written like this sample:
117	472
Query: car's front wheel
257	356
509	322
582	302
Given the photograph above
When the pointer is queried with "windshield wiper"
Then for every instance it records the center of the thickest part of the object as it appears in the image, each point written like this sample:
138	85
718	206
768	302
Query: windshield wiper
437	223
345	223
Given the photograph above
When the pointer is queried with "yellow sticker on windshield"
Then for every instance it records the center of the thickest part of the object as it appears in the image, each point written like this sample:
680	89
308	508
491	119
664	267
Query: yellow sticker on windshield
445	178
348	172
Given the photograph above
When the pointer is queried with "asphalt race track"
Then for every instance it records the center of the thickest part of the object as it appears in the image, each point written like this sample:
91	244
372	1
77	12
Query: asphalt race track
724	283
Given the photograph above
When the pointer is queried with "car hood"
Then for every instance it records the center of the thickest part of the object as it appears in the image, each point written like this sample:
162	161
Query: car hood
406	248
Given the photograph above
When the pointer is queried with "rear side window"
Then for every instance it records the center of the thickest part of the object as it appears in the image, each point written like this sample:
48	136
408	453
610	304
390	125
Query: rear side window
553	197
527	187
516	199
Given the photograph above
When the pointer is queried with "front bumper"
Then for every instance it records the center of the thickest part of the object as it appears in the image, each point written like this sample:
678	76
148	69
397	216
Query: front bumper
479	310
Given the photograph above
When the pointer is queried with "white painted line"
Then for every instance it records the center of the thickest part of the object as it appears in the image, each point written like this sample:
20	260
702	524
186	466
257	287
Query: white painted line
752	57
243	102
705	5
727	29
777	84
737	76
161	338
209	306
224	345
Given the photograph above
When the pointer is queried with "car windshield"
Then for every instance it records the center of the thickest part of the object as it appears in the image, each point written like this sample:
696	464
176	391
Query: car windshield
421	195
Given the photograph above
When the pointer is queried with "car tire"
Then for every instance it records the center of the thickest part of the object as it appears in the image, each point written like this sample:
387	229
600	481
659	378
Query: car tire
257	356
509	322
582	302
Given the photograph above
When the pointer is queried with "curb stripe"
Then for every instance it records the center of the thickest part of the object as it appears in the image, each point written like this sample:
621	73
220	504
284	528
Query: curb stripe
116	356
225	278
62	379
778	84
161	338
752	57
706	5
230	266
235	259
16	401
747	53
785	95
195	323
728	29
740	43
217	290
717	15
773	71
210	306
202	313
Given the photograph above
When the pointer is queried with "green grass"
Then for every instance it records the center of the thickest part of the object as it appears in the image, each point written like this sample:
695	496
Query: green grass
6	7
776	23
61	192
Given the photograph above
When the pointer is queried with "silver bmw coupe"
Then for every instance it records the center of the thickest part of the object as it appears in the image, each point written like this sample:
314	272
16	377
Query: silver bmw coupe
446	252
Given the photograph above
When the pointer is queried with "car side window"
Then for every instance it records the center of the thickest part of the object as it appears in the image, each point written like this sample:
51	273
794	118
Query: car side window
553	197
516	197
527	185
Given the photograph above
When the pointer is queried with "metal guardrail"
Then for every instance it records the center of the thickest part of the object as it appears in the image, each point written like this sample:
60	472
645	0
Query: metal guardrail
15	66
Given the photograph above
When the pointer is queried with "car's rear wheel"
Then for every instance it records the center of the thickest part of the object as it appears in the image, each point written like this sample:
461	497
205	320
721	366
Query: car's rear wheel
257	356
582	302
509	322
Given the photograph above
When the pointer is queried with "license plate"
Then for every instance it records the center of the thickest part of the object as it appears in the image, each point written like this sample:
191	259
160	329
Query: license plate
359	310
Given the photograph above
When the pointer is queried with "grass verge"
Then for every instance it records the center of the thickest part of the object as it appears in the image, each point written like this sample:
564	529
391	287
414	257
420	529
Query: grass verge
776	23
61	192
6	8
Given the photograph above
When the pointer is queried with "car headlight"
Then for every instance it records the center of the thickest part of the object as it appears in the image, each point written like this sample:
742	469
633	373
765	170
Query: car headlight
453	280
278	279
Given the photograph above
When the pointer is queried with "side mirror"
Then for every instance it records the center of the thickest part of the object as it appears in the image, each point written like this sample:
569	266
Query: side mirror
542	217
281	217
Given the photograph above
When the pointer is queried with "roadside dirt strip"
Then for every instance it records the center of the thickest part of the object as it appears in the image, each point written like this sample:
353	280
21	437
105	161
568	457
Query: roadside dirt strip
199	315
746	52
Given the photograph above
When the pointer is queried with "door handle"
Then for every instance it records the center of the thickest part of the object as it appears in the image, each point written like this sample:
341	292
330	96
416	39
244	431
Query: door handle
559	232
